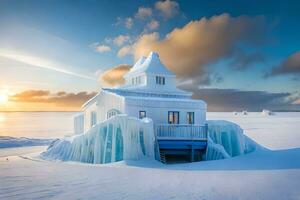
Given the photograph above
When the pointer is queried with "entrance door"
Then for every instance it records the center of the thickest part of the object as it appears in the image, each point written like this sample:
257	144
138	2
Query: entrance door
173	117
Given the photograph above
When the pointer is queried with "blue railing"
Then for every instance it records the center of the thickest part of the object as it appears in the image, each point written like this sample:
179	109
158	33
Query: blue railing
181	132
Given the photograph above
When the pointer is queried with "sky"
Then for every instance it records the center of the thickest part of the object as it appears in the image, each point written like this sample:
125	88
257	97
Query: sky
235	55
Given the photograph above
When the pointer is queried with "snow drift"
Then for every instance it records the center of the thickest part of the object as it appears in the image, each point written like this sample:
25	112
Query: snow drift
118	138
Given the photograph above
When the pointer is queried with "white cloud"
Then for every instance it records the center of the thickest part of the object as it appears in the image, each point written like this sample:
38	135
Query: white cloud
143	13
101	48
167	8
129	22
121	39
124	51
154	24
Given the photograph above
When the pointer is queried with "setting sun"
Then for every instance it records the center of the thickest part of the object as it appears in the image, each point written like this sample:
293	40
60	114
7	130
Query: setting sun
3	98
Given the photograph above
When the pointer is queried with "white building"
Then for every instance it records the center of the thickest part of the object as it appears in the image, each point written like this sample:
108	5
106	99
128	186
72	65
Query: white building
149	91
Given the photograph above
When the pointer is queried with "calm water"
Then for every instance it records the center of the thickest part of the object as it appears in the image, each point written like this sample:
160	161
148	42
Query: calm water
36	124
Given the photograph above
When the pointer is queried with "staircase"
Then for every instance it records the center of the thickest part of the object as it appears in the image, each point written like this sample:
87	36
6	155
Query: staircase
162	157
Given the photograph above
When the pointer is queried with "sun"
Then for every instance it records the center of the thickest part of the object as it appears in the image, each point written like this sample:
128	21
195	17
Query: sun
3	98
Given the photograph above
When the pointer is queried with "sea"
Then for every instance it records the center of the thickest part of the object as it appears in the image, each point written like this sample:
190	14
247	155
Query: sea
36	124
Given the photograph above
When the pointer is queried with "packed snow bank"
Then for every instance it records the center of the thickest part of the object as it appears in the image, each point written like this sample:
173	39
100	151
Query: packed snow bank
119	138
226	139
9	142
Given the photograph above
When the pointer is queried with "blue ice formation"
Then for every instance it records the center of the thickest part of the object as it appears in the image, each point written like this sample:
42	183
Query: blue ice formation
226	139
118	138
126	138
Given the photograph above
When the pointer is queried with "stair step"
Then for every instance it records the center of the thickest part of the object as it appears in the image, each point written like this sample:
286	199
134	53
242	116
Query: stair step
162	157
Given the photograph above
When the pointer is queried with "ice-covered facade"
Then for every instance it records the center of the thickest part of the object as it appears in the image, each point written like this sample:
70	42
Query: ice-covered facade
146	117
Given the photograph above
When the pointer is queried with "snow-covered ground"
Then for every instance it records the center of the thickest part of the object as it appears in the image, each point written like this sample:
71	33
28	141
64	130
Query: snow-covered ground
264	174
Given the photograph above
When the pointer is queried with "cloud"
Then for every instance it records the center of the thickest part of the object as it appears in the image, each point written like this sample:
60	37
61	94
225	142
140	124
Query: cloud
114	76
168	8
124	51
242	60
31	94
60	98
189	51
121	39
129	22
152	25
143	13
101	48
221	99
290	65
237	100
40	63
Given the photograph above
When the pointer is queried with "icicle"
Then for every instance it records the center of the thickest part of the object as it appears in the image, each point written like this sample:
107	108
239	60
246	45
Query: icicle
115	139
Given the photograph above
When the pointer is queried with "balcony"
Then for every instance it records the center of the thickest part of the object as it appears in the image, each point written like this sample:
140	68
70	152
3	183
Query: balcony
181	132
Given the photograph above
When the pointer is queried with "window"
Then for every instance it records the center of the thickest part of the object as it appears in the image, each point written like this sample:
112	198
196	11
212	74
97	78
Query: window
190	117
93	118
112	112
137	80
160	80
142	114
173	117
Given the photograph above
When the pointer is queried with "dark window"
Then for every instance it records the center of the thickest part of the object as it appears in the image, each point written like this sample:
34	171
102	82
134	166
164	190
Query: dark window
190	117
142	114
173	117
160	80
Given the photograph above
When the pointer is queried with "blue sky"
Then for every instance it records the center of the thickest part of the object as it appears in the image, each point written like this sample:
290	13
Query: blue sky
65	45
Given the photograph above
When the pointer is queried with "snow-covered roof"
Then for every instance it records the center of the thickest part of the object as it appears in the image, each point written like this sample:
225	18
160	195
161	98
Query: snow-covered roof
151	64
140	92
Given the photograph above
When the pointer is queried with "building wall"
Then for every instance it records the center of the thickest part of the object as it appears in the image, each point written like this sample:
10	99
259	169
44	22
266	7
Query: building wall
169	85
79	123
87	115
108	101
104	102
158	110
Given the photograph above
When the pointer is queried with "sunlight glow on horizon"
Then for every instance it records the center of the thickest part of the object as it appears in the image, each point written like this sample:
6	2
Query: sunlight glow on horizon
3	97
